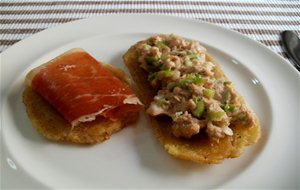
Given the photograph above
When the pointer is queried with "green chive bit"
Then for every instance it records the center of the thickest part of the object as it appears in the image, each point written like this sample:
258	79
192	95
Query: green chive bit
164	57
171	86
215	116
199	110
173	35
161	44
193	56
147	47
187	62
229	107
166	73
227	82
153	61
152	76
161	101
183	83
209	93
226	96
195	78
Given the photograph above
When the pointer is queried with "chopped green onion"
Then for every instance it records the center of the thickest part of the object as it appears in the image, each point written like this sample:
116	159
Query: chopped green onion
161	101
152	76
164	57
242	117
215	116
161	44
147	46
195	78
165	73
227	82
187	62
229	107
172	36
191	78
183	83
153	61
198	111
226	96
163	67
209	93
171	86
192	56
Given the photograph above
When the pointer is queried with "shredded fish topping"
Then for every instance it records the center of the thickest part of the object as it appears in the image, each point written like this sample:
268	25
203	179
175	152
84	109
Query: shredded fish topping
188	89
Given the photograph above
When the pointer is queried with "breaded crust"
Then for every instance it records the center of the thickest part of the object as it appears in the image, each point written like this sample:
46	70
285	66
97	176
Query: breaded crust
49	123
200	148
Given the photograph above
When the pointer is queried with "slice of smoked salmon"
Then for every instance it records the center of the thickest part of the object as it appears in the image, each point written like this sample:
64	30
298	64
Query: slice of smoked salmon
80	88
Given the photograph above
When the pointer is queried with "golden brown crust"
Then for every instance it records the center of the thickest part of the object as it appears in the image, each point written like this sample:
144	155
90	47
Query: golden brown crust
200	148
53	126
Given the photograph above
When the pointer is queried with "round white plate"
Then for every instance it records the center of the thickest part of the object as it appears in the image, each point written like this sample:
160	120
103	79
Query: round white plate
133	158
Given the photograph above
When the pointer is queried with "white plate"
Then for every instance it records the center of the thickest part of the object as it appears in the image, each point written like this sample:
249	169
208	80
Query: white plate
133	158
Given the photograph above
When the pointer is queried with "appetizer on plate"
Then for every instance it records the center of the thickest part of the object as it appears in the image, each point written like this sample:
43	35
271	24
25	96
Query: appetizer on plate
195	111
75	98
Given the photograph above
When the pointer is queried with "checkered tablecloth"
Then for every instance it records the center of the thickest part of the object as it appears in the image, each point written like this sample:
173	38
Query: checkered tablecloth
262	20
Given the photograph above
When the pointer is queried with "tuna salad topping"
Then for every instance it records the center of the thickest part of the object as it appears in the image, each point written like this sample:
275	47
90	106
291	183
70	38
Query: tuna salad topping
189	90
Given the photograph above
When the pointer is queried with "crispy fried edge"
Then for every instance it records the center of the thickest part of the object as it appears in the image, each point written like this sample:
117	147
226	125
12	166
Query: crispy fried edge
53	126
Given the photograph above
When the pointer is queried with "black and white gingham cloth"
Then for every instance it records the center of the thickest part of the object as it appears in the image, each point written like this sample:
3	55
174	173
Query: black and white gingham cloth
262	20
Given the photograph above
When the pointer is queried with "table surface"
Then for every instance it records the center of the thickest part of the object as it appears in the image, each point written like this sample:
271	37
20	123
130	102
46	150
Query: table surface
262	21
